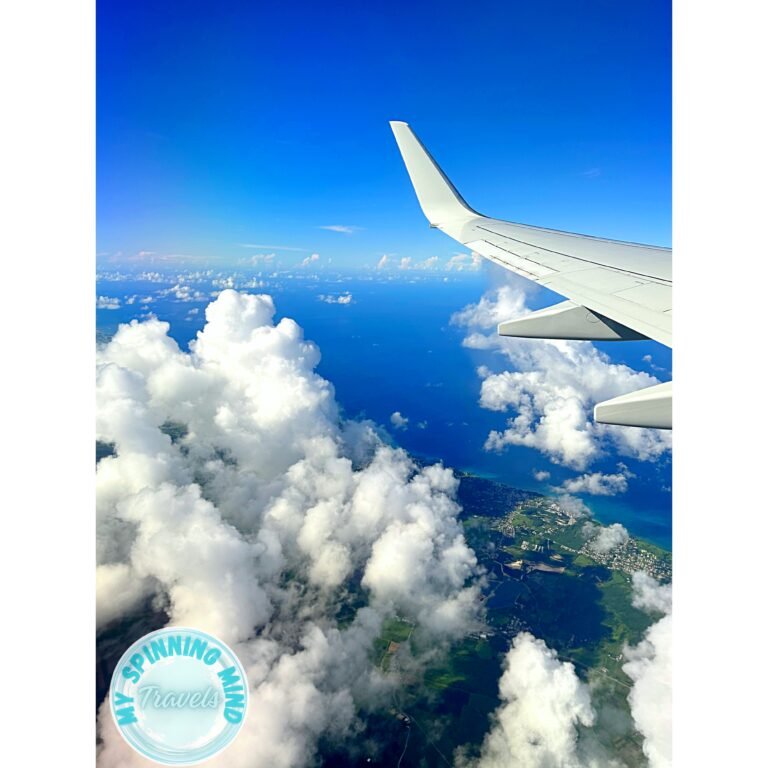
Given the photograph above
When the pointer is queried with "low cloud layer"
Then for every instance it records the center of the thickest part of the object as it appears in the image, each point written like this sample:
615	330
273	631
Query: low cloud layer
552	388
239	502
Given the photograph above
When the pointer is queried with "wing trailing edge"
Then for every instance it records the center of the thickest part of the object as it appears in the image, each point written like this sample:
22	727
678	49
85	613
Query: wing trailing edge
567	320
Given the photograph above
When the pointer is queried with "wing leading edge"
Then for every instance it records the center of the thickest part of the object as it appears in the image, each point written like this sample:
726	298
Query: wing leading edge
616	290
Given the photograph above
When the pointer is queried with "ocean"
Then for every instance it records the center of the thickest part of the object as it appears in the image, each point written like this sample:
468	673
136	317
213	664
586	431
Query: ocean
392	348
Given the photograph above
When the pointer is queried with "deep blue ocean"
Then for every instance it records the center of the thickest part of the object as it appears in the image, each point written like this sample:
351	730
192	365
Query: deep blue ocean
393	349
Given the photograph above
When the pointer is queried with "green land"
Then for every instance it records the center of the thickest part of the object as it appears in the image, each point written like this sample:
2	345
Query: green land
543	577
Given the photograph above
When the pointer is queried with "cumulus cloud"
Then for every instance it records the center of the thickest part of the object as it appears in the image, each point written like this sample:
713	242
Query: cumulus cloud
311	259
464	262
605	538
238	501
407	263
183	291
649	666
543	705
573	506
552	388
648	360
260	259
398	420
343	298
541	475
649	595
382	261
597	484
107	302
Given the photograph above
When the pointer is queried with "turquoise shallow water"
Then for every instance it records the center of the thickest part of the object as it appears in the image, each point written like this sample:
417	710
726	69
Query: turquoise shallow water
393	349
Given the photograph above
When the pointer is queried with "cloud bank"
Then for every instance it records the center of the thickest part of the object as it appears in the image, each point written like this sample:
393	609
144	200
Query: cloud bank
239	502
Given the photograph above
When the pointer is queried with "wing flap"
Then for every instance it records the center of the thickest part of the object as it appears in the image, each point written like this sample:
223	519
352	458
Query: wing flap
641	318
567	321
527	265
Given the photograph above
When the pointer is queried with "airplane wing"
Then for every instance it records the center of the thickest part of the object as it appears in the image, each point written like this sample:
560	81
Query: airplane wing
614	290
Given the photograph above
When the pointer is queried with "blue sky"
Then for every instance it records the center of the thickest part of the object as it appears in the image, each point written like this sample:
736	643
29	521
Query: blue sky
227	123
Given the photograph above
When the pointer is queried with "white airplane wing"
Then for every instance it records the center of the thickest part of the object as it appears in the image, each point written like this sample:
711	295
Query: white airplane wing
614	290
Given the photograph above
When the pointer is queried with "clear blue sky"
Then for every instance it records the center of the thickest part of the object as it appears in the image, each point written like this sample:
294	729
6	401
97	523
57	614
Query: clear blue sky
222	123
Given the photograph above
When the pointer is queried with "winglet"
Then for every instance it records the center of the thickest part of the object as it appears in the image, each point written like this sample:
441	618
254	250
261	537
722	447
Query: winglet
438	198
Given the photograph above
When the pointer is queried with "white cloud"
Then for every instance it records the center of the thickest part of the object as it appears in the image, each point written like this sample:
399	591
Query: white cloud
649	595
573	506
107	302
312	259
606	538
552	388
260	259
648	359
183	291
597	484
541	475
344	229
398	420
649	665
344	298
543	705
407	263
263	517
463	262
